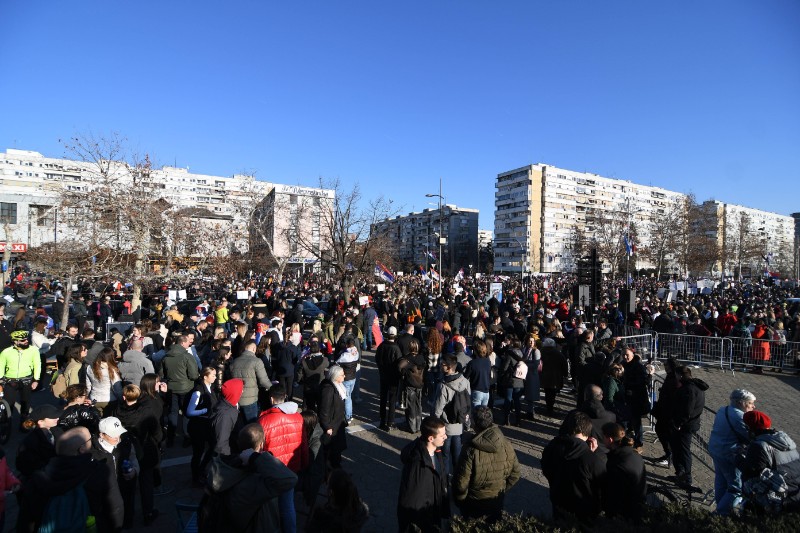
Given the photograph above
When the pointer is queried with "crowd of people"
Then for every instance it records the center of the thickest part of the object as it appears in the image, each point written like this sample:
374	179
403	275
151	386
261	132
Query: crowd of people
263	394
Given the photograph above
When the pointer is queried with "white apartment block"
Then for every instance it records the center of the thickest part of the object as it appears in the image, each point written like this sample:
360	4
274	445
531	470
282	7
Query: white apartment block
485	238
539	207
774	236
31	184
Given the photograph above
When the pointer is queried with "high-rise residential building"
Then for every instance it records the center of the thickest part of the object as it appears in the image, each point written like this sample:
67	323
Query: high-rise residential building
540	210
416	235
32	185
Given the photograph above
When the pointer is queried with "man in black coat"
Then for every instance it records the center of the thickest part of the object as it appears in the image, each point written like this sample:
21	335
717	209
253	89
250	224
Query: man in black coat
405	338
573	470
593	408
625	482
386	357
690	399
423	501
73	465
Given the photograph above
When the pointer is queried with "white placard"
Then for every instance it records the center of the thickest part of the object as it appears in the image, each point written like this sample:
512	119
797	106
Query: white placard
363	300
8	298
398	273
172	295
253	292
477	275
669	297
381	287
496	290
679	286
242	295
74	287
182	294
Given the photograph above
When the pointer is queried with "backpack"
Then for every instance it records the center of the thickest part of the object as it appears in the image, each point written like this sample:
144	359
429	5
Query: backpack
458	409
213	513
521	370
58	385
766	492
68	513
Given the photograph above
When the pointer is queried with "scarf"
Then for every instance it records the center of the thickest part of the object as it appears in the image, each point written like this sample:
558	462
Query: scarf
341	389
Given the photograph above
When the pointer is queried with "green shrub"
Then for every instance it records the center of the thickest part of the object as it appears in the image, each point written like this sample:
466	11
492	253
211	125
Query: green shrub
668	519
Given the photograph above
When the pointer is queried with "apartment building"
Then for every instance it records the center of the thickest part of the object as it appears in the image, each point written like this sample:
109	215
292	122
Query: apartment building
760	235
31	186
540	208
416	234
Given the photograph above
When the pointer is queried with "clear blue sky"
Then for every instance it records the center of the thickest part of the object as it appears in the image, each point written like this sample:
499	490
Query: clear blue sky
691	96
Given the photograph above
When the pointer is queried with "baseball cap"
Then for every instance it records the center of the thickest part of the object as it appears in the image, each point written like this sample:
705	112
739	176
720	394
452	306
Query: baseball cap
392	331
42	412
112	427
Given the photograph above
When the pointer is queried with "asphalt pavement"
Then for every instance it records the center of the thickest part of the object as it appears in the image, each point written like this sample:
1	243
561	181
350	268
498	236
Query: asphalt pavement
372	456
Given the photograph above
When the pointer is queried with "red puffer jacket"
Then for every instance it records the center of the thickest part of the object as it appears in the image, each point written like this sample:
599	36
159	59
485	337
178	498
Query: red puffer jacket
284	437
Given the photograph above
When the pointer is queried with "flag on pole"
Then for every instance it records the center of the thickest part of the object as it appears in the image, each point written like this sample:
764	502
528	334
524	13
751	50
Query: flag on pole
435	275
628	245
382	272
460	274
432	255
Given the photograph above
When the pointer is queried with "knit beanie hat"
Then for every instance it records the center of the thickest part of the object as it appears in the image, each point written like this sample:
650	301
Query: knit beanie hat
232	390
757	421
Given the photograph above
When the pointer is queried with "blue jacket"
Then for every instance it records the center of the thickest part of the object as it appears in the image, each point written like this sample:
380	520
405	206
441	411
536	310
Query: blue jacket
725	436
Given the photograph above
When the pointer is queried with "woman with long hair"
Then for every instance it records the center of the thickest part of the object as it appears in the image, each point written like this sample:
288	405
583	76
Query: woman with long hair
433	372
74	368
103	380
201	401
344	511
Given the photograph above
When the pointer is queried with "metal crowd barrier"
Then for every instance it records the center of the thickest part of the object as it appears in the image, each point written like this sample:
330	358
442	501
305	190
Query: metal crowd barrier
642	344
631	331
764	353
694	350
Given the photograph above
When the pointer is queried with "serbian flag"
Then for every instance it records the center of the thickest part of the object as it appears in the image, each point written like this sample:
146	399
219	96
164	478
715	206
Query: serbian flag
376	332
628	244
382	272
435	275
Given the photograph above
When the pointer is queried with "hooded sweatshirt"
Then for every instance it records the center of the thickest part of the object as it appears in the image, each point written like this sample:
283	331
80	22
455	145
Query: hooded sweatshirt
253	489
225	415
488	467
770	449
451	384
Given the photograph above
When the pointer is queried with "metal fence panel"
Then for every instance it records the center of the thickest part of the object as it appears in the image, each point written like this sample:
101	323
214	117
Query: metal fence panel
642	345
692	349
764	353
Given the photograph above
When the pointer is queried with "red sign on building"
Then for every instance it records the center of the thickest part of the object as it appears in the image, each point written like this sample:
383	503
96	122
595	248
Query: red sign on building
16	247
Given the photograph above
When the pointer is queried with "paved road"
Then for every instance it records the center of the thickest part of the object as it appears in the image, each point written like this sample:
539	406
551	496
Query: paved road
372	456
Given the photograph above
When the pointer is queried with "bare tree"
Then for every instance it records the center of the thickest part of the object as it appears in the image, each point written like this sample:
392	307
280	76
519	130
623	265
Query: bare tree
661	243
741	244
345	245
609	227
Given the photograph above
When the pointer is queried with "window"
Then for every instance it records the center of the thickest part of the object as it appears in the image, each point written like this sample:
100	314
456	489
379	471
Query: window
45	215
8	213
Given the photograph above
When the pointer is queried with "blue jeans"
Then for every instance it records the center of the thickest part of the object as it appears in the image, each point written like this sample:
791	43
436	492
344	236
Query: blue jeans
451	451
356	387
727	484
348	401
250	412
479	399
287	512
512	394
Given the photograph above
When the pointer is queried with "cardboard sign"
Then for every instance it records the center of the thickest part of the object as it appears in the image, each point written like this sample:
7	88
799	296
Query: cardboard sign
74	287
381	287
172	295
496	290
182	294
242	295
363	300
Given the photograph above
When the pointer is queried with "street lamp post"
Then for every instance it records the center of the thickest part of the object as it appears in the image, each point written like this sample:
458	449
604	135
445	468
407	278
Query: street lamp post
441	232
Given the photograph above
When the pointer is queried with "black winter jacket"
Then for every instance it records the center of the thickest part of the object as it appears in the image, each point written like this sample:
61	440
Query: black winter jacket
386	357
575	475
63	474
423	499
625	484
690	399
